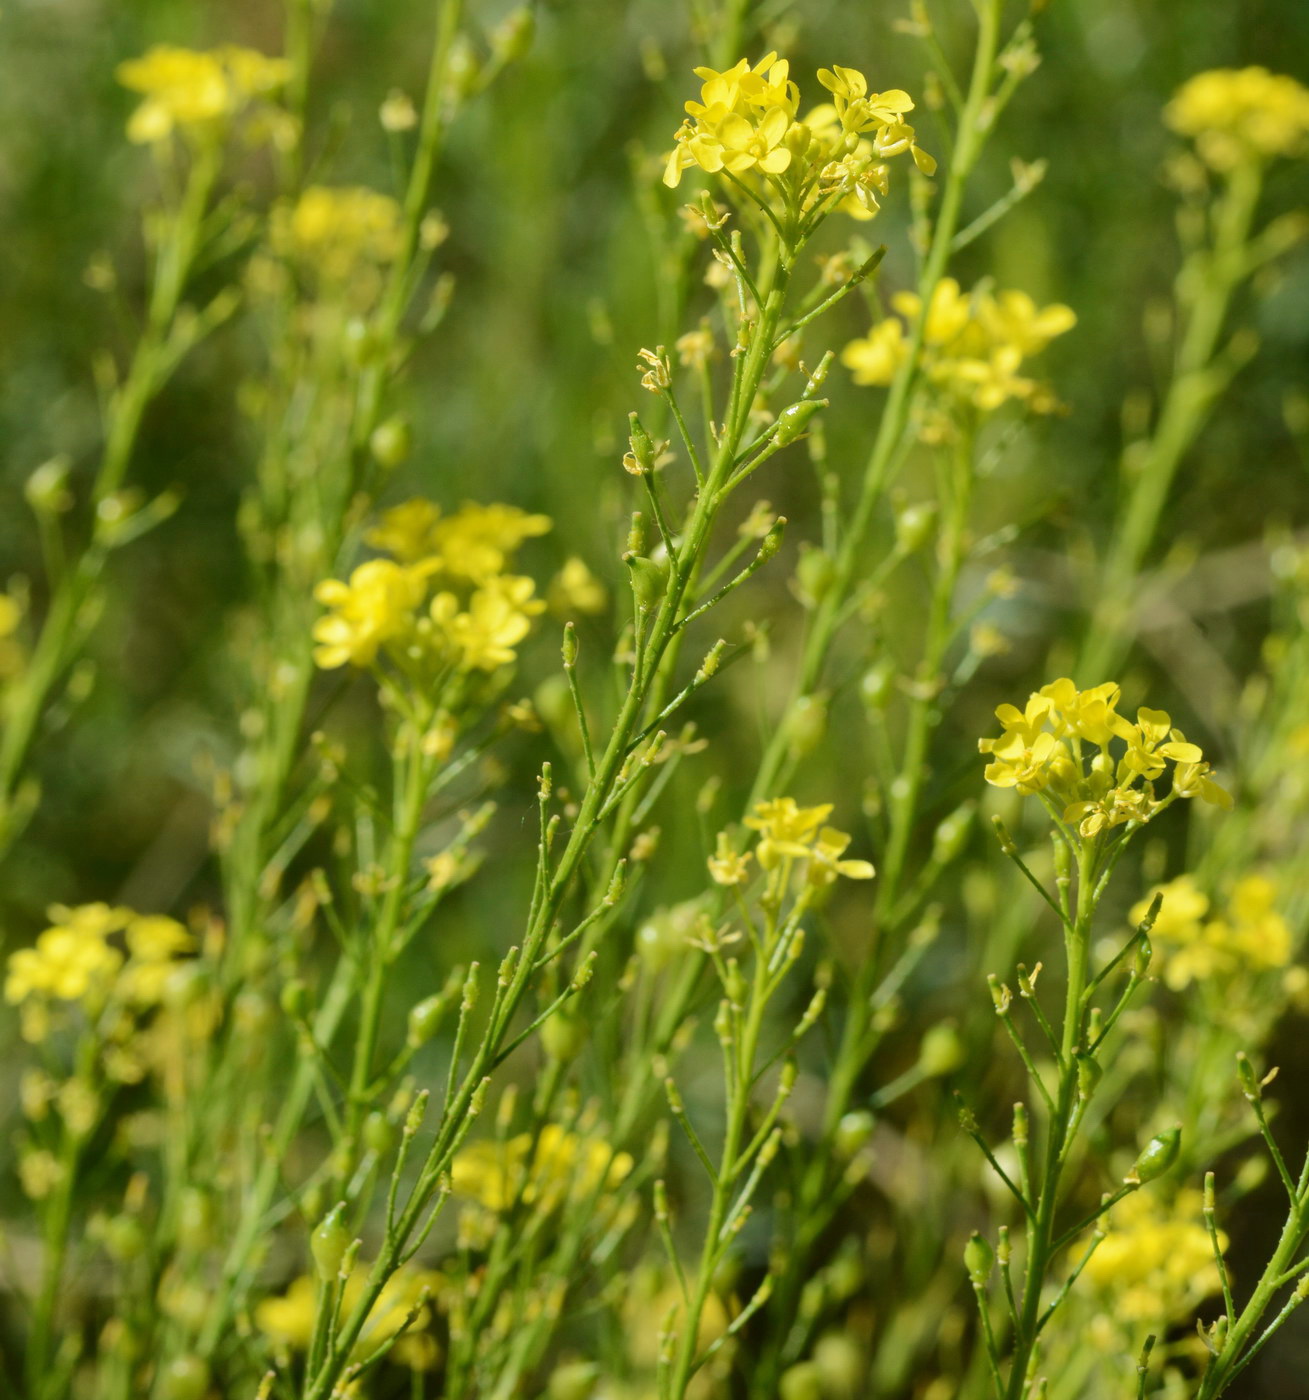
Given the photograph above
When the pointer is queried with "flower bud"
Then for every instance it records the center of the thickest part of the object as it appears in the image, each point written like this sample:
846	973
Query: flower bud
803	1381
814	572
951	834
941	1051
563	1036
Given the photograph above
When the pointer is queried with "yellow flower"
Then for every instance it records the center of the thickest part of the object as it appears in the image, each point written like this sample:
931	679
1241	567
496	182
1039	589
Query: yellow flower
727	866
71	960
339	231
376	606
407	531
826	865
1251	935
1018	762
1156	1262
1237	115
192	89
576	589
785	830
554	1166
287	1321
498	618
974	345
476	541
1152	740
875	359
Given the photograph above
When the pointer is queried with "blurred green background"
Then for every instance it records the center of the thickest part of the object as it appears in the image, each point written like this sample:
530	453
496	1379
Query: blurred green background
550	187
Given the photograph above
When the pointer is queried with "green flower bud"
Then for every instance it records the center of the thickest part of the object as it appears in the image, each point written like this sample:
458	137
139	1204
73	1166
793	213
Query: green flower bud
642	445
843	1365
1157	1156
979	1260
294	997
329	1242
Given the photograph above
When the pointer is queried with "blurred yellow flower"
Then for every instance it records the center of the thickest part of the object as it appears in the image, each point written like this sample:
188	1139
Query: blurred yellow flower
338	231
543	1170
376	606
1236	115
189	88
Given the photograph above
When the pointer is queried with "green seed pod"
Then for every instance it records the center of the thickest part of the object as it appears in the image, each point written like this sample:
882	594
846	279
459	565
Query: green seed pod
803	1381
512	37
641	443
941	1051
123	1237
979	1260
1158	1155
195	1219
951	833
1089	1075
806	724
877	685
574	1380
563	1036
329	1242
792	421
378	1133
852	1132
294	997
649	580
814	572
424	1020
842	1364
184	1378
914	525
391	442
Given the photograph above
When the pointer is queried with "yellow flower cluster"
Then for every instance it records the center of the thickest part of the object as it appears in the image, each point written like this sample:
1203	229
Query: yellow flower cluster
746	122
287	1320
1250	936
473	625
1237	115
337	231
1059	746
196	89
973	345
1155	1263
77	960
788	832
544	1169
